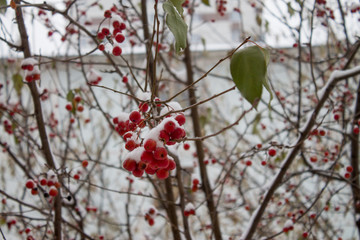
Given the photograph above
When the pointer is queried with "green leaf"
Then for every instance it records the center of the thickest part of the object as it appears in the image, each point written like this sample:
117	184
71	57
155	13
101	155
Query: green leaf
291	11
18	82
70	96
258	20
3	4
178	5
248	69
206	2
176	25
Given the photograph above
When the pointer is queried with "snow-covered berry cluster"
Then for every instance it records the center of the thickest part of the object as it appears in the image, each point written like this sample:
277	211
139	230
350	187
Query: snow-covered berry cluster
32	71
147	152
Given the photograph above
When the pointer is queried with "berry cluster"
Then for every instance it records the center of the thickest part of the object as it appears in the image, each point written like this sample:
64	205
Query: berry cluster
149	154
115	37
8	127
189	210
75	105
195	185
32	71
93	77
149	216
221	8
51	182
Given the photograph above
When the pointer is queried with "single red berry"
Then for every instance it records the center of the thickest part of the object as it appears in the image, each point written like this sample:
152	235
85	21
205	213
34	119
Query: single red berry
263	163
27	230
43	181
130	145
116	24
129	164
180	118
138	172
100	36
169	126
147	157
107	14
135	116
313	159
119	38
77	99
151	221
150	145
305	235
80	108
349	169
105	31
68	107
101	47
336	117
57	184
195	181
187	146
143	107
162	173
76	176
127	136
85	163
117	51
53	191
163	163
172	165
122	26
347	175
30	184
160	153
34	191
272	152
164	136
125	79
248	163
356	130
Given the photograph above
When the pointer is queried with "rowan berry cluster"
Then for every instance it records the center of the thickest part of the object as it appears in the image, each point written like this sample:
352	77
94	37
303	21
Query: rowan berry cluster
50	182
114	37
148	154
32	71
149	216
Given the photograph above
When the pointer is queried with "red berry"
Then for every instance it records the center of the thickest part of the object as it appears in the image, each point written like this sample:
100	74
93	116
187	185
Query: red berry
100	35
356	130
107	14
263	163
163	163
313	159
164	136
76	176
272	152
117	51
130	145
180	118
138	172
336	117
129	164
349	169
305	234
169	126
150	145
172	165
101	47
248	163
125	79
34	191
347	175
80	108
178	133
151	221
119	38
143	107
122	26
162	173
43	182
195	181
160	153
30	184
77	99
135	116
187	147
68	107
85	163
127	135
147	157
105	31
53	192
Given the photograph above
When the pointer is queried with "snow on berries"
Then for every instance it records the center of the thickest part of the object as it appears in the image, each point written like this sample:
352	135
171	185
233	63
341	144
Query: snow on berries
189	210
32	71
93	77
147	148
